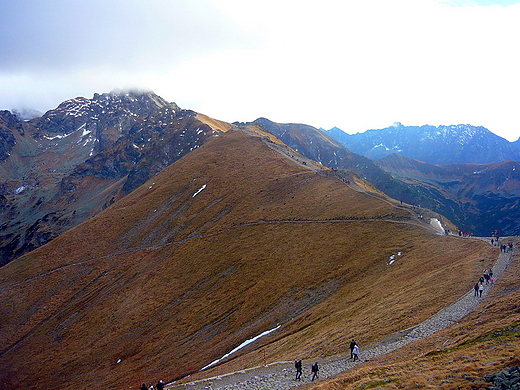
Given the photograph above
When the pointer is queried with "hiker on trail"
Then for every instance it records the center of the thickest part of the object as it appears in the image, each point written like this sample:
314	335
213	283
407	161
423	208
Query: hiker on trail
144	387
160	385
298	366
314	370
352	345
355	353
480	289
476	290
490	273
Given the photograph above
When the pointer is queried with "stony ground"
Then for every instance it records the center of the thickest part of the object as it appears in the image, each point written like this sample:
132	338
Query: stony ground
281	376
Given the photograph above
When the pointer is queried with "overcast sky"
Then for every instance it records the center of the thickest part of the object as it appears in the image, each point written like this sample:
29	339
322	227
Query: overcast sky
356	65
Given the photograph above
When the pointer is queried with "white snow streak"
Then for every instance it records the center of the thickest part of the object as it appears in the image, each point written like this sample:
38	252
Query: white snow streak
247	342
199	190
392	259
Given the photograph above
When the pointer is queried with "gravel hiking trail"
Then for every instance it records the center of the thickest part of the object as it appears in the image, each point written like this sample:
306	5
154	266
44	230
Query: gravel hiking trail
281	375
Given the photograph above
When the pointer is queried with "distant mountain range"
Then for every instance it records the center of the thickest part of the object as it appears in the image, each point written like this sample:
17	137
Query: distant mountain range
476	197
456	144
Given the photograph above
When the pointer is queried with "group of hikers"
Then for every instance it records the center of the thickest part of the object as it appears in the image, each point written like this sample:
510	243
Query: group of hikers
354	355
159	386
487	278
506	248
495	241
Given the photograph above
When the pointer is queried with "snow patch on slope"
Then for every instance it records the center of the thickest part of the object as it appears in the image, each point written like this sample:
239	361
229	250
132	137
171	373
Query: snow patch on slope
244	344
199	190
437	225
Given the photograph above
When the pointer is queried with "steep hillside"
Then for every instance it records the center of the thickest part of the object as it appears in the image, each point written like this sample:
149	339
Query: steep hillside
7	141
64	167
485	342
477	197
434	144
232	240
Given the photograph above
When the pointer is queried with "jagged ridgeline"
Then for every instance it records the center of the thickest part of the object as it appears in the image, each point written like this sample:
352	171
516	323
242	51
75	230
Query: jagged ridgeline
239	236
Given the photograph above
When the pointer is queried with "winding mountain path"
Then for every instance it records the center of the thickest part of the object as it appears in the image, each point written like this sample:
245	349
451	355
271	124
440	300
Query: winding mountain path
281	376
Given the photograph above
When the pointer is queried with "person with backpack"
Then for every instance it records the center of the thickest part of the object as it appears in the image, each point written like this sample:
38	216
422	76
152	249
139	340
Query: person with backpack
298	366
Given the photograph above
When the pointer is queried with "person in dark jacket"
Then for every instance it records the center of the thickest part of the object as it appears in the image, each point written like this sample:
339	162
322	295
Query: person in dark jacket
298	366
314	370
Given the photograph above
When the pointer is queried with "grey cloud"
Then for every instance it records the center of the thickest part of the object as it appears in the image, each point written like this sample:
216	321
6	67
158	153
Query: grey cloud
62	34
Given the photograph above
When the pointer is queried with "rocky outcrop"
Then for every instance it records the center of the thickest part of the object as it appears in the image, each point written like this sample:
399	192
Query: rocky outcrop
508	379
8	122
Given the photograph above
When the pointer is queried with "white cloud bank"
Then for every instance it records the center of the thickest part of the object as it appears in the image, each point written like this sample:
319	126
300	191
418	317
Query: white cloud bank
352	64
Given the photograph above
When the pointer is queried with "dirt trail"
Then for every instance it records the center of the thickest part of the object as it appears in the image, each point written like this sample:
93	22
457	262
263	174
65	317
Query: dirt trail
281	376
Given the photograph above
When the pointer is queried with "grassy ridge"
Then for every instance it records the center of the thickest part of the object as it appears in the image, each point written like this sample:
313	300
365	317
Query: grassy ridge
230	241
458	357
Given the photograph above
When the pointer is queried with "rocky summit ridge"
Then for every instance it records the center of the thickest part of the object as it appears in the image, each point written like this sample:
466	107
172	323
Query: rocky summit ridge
65	166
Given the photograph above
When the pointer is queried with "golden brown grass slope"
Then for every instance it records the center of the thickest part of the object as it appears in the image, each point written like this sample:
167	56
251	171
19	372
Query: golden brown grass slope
228	242
486	341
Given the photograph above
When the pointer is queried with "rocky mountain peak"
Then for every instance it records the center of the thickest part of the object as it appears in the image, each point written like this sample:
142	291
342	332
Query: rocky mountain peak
117	110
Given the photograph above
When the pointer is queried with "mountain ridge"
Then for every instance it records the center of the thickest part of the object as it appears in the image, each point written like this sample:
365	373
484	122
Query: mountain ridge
185	266
433	144
226	231
107	145
72	162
